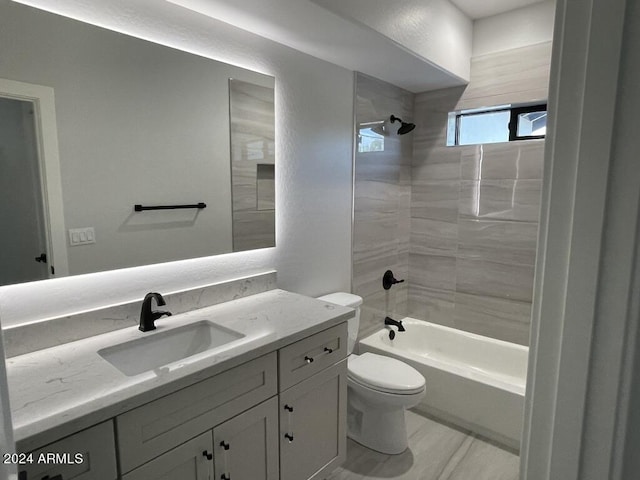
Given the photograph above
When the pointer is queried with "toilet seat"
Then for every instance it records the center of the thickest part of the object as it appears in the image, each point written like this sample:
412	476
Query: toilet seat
385	374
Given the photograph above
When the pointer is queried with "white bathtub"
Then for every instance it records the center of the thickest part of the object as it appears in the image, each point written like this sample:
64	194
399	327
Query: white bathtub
473	381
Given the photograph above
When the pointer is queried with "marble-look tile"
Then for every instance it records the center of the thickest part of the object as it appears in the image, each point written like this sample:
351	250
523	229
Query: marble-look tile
437	306
377	99
433	271
501	318
434	237
254	229
252	137
37	336
498	241
514	160
435	200
435	164
492	279
516	72
382	201
436	452
517	200
484	461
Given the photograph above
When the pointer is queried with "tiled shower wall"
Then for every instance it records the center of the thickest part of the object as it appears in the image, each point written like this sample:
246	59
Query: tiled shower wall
459	223
474	209
382	194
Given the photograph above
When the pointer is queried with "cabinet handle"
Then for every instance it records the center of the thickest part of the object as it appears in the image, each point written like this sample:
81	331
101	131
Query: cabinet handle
328	350
308	359
225	445
208	455
288	437
47	477
224	476
288	408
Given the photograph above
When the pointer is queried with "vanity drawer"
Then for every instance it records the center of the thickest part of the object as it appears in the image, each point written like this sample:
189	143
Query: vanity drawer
307	357
154	428
86	455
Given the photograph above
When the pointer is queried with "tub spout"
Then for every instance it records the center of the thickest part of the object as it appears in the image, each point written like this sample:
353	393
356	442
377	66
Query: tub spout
395	323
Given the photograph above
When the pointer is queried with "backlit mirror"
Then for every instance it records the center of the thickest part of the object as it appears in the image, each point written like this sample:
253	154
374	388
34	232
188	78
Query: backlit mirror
93	123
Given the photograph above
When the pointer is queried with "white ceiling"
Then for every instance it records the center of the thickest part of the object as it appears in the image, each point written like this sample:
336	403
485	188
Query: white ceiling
475	9
312	29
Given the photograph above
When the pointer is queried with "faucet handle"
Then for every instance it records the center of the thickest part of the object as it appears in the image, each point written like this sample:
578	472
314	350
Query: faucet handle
388	280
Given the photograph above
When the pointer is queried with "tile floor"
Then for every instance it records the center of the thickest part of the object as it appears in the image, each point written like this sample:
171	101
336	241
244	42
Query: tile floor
436	452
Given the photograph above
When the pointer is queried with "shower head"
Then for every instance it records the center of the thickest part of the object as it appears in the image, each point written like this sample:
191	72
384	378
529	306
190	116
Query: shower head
405	127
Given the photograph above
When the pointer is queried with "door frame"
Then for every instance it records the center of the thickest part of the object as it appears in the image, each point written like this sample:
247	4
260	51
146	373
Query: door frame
585	319
43	100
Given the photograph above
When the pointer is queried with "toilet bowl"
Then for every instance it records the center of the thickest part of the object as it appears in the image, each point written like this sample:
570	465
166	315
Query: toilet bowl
379	390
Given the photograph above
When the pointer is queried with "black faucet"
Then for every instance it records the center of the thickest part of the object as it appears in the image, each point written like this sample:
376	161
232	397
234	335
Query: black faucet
395	323
148	316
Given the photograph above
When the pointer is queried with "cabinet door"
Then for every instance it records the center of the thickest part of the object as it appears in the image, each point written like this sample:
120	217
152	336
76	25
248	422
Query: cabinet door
192	460
313	425
246	447
86	455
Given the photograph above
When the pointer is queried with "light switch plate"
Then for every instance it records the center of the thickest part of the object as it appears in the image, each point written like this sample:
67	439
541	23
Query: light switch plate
82	236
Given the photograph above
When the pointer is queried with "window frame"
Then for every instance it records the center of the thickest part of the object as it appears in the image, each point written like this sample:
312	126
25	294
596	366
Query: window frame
514	112
513	122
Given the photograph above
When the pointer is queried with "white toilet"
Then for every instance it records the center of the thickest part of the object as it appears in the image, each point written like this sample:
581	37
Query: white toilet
379	390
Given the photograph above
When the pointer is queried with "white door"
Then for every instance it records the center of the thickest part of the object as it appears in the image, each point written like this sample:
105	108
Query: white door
23	243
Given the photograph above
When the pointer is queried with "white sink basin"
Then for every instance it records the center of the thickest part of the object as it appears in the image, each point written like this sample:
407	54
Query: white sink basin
155	350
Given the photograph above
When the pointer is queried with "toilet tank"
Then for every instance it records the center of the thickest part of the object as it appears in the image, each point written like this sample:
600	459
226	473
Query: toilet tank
347	300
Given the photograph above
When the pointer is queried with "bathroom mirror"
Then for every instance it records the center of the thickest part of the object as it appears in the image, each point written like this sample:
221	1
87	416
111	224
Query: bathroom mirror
103	122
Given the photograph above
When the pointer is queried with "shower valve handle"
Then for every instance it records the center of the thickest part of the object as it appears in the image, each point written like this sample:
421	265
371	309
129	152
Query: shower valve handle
388	280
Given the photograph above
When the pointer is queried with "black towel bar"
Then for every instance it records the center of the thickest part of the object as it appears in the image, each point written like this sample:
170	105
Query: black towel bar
140	208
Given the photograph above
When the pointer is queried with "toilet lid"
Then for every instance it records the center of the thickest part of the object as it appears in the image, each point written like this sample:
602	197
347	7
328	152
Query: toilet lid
385	374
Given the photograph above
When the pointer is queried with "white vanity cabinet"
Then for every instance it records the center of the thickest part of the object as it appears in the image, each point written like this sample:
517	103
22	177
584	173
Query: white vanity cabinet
281	416
246	447
86	455
313	411
189	461
159	426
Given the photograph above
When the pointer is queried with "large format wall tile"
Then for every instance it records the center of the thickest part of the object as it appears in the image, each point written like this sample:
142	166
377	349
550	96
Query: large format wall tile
434	237
438	163
515	160
518	75
431	304
517	200
493	279
460	222
501	318
382	200
498	241
435	200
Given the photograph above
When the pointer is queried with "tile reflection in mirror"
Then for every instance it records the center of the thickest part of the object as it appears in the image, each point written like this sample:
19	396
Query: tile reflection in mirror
252	121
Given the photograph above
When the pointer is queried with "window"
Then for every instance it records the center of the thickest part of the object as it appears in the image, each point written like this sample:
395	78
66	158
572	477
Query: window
499	124
371	137
528	122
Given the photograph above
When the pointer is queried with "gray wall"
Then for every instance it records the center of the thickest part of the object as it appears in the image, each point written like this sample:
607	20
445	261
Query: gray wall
381	205
474	209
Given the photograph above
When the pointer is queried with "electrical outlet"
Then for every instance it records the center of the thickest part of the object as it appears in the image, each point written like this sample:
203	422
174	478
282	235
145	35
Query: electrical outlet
82	236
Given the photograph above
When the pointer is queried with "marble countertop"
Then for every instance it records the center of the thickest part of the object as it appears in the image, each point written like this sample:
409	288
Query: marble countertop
60	390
